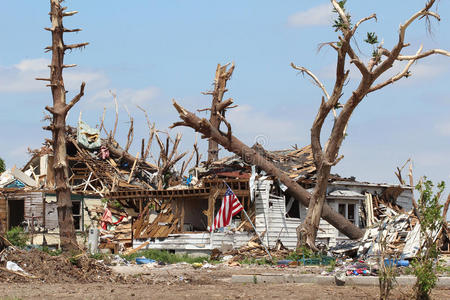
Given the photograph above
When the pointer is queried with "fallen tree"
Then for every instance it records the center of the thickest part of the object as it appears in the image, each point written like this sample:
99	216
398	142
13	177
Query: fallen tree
251	156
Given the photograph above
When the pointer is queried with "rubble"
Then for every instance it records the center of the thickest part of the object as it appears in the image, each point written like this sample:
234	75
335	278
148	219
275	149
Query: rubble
40	266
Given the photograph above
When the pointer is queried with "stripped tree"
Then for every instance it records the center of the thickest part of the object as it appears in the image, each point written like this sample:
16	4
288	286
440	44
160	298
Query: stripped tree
59	112
381	61
218	106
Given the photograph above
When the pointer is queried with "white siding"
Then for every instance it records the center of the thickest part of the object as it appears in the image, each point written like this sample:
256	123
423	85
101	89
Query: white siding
197	241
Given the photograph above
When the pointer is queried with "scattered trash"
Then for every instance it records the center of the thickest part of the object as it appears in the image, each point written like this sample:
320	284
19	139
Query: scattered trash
12	266
143	261
398	263
197	265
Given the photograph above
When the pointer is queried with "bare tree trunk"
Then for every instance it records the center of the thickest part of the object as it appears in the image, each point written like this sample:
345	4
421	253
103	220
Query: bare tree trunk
217	106
445	209
250	156
59	111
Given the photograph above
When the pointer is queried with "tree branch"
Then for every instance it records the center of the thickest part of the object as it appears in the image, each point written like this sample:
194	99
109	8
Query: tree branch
69	13
222	118
175	146
395	52
76	98
404	73
424	54
75	46
224	104
303	70
356	60
335	162
102	125
341	13
130	135
423	12
72	30
373	16
116	104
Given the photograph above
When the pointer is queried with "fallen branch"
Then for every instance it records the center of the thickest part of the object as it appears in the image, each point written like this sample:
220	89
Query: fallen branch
252	157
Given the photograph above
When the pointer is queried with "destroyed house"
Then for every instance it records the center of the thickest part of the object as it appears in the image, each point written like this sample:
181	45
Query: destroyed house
24	203
27	196
179	217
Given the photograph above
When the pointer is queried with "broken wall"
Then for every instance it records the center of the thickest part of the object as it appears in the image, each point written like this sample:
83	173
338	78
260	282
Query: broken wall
3	215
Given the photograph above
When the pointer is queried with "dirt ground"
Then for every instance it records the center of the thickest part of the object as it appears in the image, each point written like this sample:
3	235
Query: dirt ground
220	290
185	282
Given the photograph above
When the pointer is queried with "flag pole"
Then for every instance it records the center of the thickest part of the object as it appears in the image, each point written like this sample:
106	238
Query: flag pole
254	228
259	237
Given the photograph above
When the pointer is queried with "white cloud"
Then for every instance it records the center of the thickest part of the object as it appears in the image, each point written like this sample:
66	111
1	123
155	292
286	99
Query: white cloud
36	65
315	16
20	78
140	97
128	97
95	80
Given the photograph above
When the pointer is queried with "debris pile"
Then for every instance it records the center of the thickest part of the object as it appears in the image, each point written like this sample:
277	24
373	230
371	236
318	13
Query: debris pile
115	228
393	229
35	265
253	250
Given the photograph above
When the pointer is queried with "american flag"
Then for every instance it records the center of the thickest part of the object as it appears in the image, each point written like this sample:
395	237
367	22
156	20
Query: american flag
230	207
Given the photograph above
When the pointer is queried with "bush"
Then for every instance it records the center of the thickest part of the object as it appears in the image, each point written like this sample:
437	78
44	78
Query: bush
2	166
17	237
426	263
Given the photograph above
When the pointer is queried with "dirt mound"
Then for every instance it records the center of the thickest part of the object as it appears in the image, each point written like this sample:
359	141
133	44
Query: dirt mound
43	267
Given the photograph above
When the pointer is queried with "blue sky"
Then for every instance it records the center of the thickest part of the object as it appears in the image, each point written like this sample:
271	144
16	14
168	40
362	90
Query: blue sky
152	51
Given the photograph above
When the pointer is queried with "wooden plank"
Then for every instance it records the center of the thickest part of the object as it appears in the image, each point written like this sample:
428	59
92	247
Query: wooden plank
211	205
136	249
132	168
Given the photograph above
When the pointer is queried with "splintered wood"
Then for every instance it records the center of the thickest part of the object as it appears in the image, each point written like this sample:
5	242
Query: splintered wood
165	223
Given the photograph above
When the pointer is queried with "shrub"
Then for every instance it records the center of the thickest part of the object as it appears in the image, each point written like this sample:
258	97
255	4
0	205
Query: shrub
426	263
2	166
17	237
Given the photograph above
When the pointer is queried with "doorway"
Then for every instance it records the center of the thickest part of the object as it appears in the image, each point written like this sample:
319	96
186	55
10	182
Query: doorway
16	212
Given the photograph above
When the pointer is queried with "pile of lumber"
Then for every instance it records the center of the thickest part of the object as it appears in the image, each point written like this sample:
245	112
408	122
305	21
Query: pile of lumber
254	250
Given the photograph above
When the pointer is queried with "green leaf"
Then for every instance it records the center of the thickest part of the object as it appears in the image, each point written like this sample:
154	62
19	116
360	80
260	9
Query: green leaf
371	38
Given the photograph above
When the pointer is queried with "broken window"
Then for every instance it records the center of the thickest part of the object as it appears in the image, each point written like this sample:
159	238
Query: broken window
292	207
76	211
347	210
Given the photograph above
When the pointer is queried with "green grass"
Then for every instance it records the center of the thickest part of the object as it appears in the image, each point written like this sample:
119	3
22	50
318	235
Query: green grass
51	251
166	257
99	256
331	266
